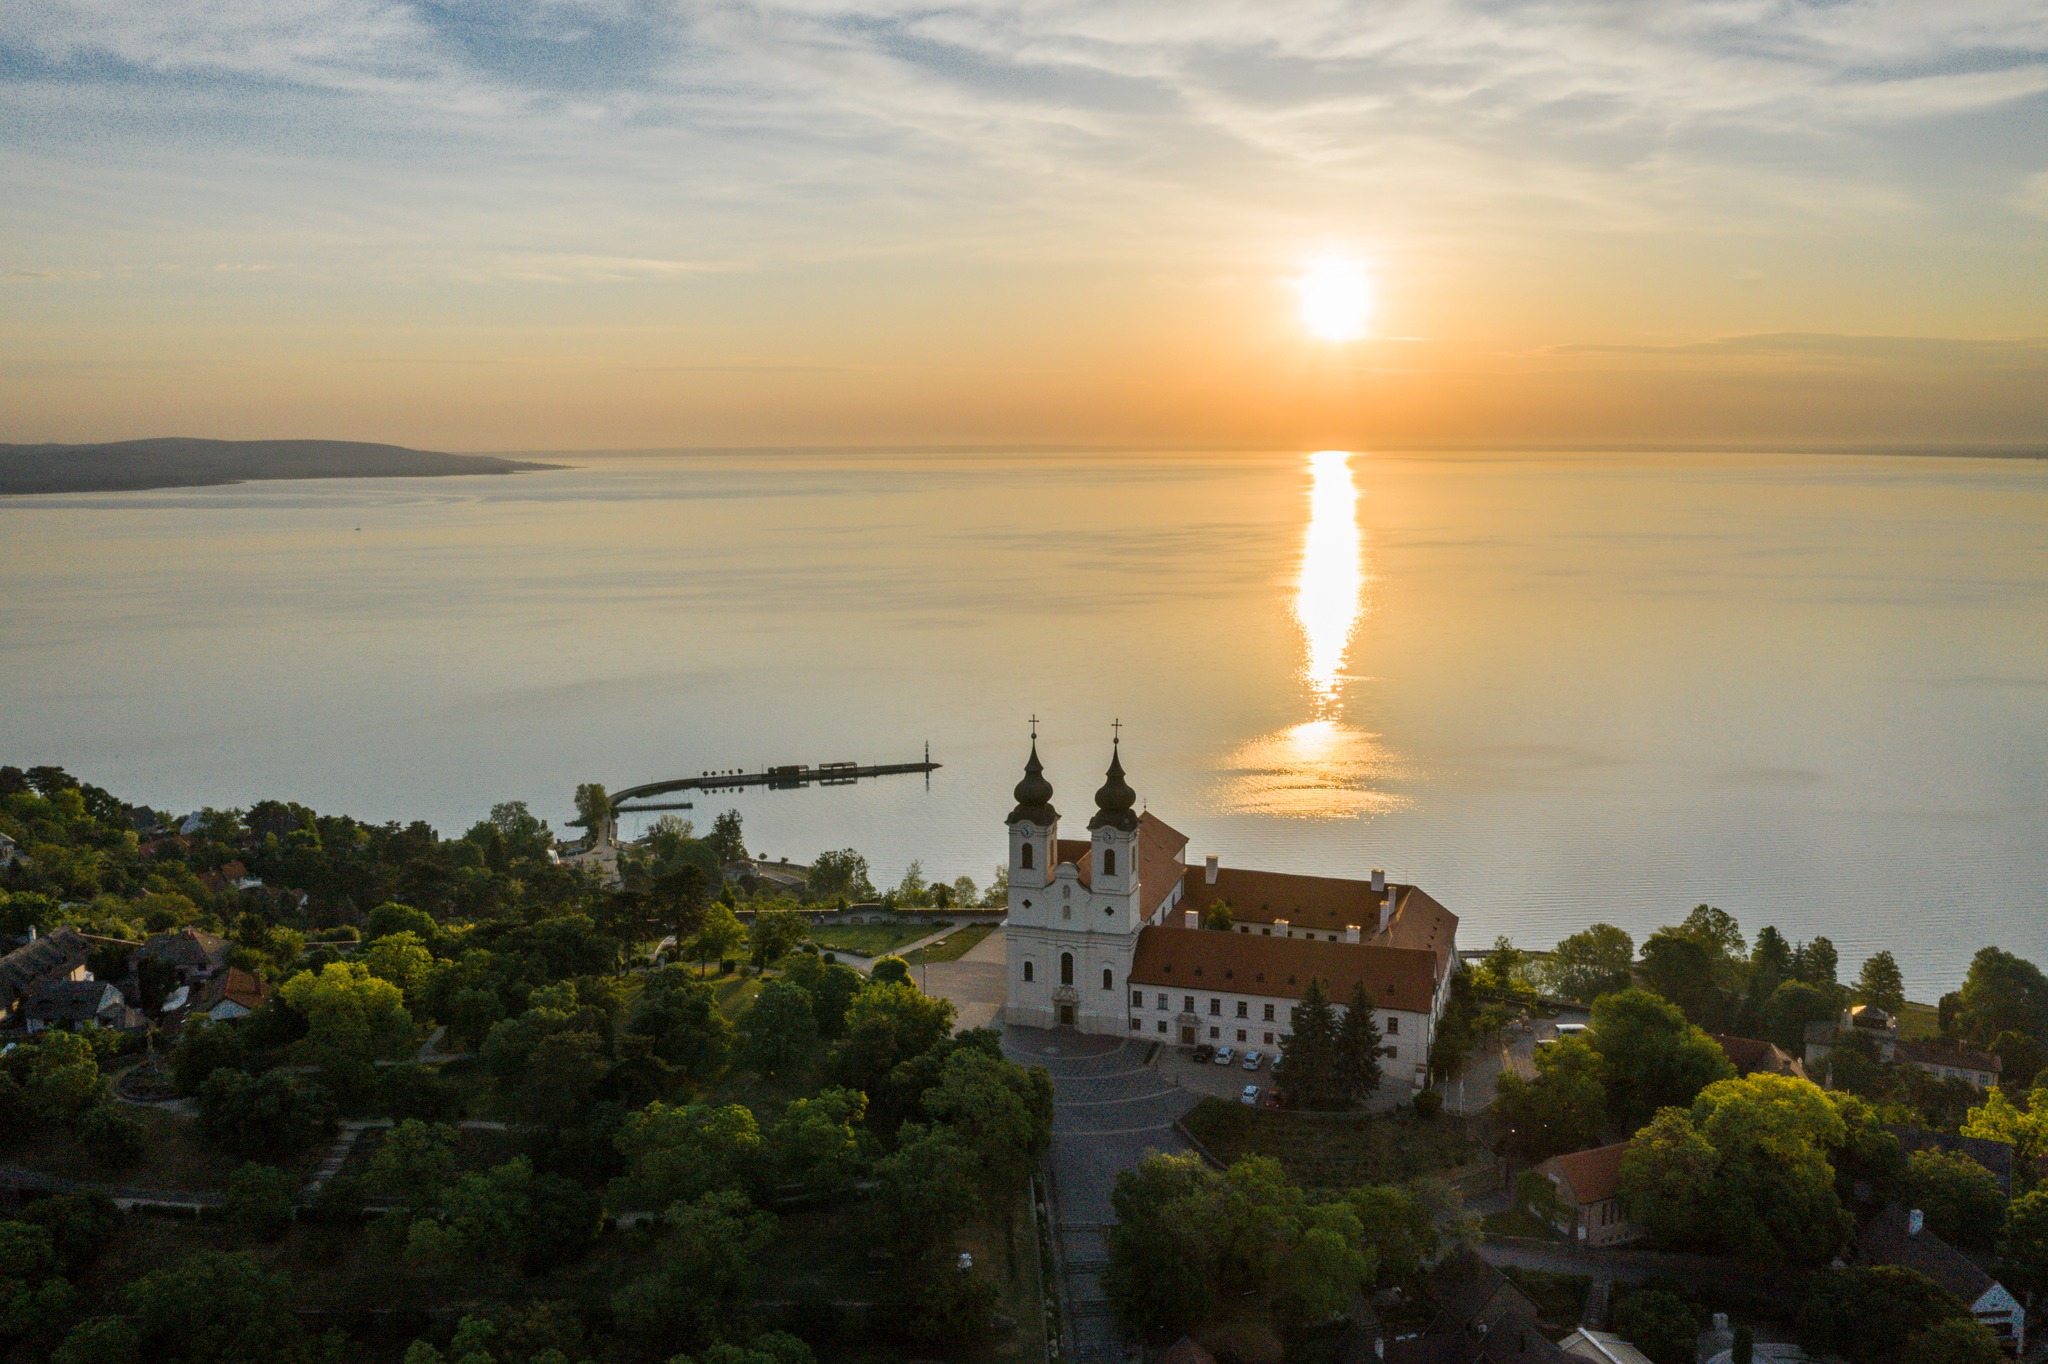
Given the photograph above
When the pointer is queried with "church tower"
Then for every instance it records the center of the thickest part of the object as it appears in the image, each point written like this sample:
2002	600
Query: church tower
1034	826
1113	848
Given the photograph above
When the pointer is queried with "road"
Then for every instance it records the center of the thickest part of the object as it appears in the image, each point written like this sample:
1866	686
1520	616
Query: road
1111	1109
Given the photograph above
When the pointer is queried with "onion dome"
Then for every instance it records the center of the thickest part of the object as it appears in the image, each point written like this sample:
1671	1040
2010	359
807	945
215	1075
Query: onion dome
1116	803
1034	795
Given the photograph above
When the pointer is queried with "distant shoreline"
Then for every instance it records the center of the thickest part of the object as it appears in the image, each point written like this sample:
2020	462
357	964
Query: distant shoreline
179	462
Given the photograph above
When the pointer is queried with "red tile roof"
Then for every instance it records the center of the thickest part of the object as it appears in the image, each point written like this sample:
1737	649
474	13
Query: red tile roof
1592	1175
1327	904
1160	849
1201	959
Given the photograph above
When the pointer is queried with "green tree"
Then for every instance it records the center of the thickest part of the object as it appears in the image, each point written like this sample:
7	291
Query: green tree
403	960
1869	1314
1358	1074
719	936
681	1154
817	1144
1816	963
887	1023
348	1010
778	1030
841	875
1791	1007
2001	993
700	1291
1590	963
273	1114
1161	1266
593	807
260	1201
889	970
1001	1112
1880	984
925	1191
112	1139
726	840
1218	917
1714	927
1688	971
414	1163
1652	1056
2025	1238
64	1079
1659	1324
681	1020
1306	1073
1999	1119
774	934
831	986
1561	1110
1962	1200
1399	1228
214	1308
1955	1341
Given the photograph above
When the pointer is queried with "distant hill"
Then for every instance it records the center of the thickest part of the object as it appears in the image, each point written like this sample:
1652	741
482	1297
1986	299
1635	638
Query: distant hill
179	462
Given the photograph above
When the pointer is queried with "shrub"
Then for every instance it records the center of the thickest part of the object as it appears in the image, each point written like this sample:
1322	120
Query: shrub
110	1137
1428	1104
1659	1324
260	1201
411	1091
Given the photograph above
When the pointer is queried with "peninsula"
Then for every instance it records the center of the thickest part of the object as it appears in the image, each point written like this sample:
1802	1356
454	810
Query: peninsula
183	462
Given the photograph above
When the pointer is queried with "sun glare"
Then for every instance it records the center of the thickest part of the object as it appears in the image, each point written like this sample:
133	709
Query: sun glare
1336	300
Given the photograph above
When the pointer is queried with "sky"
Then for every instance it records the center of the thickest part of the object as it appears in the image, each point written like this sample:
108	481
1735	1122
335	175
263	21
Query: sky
582	224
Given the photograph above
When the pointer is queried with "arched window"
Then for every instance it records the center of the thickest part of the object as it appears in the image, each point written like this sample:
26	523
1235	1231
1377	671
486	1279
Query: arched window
1025	859
1066	968
1027	973
1109	861
1106	979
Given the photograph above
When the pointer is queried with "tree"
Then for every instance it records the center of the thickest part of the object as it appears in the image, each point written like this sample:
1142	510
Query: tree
924	1191
1590	963
1868	1314
214	1308
1962	1200
112	1139
593	808
1714	927
1306	1073
1688	971
260	1201
841	875
1745	1172
726	839
1999	1119
415	1091
707	1271
80	1225
1001	1112
2001	993
778	1030
887	1023
414	1163
1158	1280
1879	983
1561	1110
1217	917
831	985
1358	1049
817	1143
682	1154
891	969
273	1114
348	1010
718	936
402	959
1659	1324
682	1022
1955	1341
1652	1056
562	1077
1816	963
1791	1007
2025	1238
774	934
64	1079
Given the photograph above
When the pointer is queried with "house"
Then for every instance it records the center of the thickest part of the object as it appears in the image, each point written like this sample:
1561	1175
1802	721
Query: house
57	955
1106	935
1588	1206
1995	1156
1750	1057
1480	1318
193	953
1899	1236
1880	1032
1602	1347
10	851
234	993
78	1004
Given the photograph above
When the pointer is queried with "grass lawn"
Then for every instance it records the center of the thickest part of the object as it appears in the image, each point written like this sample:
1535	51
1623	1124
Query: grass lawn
735	993
869	940
1323	1152
1518	1222
953	946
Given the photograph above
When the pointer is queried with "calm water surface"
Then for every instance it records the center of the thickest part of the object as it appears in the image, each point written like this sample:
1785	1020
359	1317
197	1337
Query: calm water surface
1812	690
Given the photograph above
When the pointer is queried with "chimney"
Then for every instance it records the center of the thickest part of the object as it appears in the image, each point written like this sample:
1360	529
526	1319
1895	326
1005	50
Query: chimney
1209	869
1351	933
1387	911
1193	918
1379	880
1915	1220
1281	924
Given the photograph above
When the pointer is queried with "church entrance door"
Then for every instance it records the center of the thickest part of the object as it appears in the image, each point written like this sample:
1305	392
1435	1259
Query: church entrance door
1187	1036
1066	1015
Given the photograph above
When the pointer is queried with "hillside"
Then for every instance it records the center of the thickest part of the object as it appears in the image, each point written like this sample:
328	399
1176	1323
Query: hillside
178	462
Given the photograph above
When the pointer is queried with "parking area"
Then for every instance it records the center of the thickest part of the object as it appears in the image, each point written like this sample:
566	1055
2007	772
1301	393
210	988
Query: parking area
1178	1067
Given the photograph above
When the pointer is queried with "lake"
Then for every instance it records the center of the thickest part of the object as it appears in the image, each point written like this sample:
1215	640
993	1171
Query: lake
1812	690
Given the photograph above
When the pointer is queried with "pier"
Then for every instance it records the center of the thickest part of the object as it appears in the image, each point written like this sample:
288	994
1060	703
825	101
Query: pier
782	777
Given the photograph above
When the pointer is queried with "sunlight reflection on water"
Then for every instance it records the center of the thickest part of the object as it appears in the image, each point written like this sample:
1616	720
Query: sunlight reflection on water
1322	768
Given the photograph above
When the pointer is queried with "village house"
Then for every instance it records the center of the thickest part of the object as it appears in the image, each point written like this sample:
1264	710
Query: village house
1105	935
1479	1318
1873	1027
194	954
1899	1236
1585	1202
54	956
1601	1347
76	1004
234	993
1751	1056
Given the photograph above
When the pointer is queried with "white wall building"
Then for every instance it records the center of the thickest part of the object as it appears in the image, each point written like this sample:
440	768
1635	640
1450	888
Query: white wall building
1104	936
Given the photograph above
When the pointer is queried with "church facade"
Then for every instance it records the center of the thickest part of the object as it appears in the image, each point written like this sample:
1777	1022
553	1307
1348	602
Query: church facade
1105	935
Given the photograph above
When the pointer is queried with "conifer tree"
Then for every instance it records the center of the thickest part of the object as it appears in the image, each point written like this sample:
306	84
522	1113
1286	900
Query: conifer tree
1358	1049
1307	1072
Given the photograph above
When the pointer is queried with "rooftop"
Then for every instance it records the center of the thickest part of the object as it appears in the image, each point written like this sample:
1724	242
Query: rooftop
1888	1240
1594	1175
1203	959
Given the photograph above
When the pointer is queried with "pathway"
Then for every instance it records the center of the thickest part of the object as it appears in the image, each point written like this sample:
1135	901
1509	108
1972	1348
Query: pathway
867	964
352	1131
1110	1110
975	982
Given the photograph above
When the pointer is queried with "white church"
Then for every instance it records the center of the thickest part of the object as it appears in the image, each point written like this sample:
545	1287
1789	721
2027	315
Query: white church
1105	936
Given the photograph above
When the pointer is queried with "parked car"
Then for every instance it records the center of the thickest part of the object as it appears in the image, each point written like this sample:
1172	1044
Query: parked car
1249	1095
1204	1052
1254	1059
1225	1056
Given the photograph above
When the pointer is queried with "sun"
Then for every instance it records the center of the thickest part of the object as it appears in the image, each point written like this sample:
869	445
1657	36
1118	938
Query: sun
1336	299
